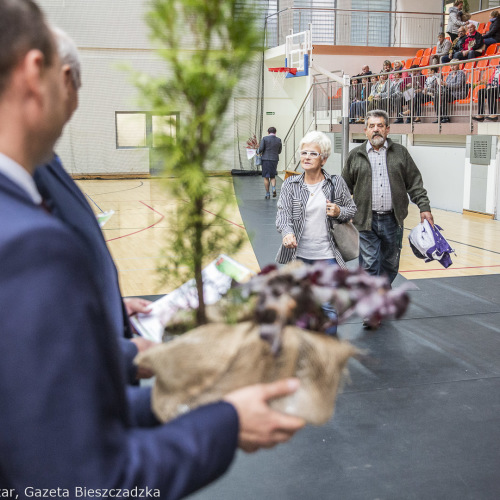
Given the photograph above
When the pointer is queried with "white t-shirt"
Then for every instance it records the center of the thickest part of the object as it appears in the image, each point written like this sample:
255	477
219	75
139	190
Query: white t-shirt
314	243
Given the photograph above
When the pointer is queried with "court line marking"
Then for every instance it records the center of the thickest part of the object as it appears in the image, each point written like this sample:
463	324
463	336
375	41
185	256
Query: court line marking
143	229
447	269
88	196
141	183
218	216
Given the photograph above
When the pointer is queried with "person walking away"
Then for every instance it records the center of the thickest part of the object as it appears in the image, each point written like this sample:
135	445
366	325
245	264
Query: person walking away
270	149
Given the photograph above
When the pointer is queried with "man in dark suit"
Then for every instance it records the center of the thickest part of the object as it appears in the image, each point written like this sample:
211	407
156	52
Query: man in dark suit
65	422
66	202
270	149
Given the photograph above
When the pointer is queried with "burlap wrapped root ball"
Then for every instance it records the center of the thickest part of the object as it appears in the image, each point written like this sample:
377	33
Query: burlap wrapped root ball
205	364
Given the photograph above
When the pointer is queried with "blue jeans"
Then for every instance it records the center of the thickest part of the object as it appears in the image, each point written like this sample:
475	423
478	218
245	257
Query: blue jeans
380	248
328	309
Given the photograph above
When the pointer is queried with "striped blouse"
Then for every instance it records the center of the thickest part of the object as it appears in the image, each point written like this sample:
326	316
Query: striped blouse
291	214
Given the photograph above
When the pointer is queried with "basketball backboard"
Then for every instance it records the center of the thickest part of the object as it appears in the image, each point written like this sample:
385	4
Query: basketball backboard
298	50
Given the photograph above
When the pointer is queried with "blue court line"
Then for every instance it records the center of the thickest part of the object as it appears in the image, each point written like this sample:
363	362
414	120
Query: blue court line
94	202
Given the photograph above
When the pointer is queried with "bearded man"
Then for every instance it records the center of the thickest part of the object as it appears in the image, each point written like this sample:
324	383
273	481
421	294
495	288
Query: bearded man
381	175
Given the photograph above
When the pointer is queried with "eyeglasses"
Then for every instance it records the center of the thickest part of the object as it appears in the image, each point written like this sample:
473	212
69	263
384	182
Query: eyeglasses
312	154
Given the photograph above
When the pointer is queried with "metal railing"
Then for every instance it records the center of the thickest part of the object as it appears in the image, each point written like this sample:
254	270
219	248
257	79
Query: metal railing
455	94
456	98
355	27
303	122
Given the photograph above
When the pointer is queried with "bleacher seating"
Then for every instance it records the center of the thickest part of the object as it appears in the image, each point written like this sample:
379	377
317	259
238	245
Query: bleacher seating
420	53
424	61
481	27
491	50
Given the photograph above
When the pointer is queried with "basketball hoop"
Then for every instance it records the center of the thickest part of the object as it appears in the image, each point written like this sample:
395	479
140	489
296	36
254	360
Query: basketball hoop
279	76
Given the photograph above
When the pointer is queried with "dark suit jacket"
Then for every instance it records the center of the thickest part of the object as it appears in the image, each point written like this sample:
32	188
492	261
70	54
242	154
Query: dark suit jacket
68	204
270	147
64	419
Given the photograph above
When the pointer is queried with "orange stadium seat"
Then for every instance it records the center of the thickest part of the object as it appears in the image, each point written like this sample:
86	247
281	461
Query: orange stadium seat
433	51
480	28
427	52
482	64
491	50
419	53
424	61
409	63
487	27
494	62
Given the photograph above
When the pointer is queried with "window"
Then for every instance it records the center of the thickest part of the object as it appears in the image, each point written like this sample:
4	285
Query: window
371	29
131	130
138	129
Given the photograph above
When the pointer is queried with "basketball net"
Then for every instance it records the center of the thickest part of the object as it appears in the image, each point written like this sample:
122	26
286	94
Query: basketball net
279	76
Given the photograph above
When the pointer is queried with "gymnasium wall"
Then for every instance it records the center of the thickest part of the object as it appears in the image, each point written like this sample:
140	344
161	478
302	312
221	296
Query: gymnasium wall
111	34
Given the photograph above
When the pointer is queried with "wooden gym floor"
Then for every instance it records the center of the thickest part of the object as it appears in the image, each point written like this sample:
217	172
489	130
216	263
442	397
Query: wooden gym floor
143	215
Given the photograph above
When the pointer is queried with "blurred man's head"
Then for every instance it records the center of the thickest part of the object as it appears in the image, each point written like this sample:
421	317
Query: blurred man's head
71	68
32	95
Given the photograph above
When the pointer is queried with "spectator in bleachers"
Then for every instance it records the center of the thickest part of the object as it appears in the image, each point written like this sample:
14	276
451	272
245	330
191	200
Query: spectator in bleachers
493	34
396	97
491	94
456	45
454	88
386	67
429	93
398	66
357	110
455	19
365	70
413	86
472	46
379	95
442	48
360	107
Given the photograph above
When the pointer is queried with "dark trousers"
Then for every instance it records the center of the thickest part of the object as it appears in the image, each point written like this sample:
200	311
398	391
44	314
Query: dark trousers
472	54
418	101
445	99
380	248
492	95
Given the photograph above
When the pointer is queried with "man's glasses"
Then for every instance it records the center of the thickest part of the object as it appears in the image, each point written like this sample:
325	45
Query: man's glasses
312	154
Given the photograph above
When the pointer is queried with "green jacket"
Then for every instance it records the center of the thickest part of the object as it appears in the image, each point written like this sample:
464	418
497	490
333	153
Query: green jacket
404	177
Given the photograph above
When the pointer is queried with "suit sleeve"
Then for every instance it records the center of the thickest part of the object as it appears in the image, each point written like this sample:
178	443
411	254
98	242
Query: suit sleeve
64	421
262	146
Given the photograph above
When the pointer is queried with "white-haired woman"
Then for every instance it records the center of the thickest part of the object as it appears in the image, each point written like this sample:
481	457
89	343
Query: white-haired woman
306	204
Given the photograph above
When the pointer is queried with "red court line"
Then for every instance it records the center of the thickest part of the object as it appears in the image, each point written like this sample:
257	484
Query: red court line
144	229
219	217
449	269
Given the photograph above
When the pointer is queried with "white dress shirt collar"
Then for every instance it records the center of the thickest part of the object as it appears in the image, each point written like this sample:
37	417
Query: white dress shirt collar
18	175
